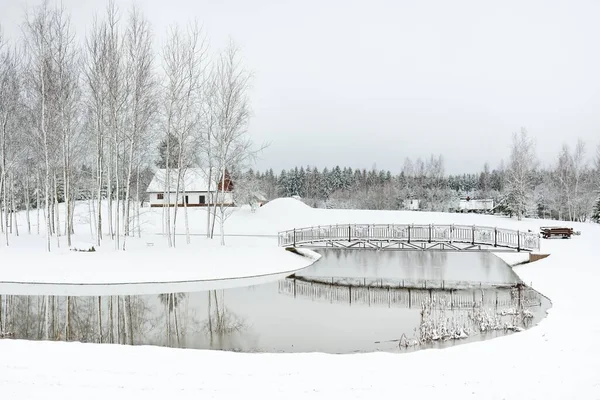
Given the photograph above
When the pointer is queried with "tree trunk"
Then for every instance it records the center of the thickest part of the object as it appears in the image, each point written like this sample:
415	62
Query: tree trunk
91	216
210	327
117	194
99	167
47	319
110	320
37	200
118	312
176	205
68	319
128	193
129	316
56	211
186	218
167	194
66	189
5	207
168	312
27	203
109	194
13	203
176	324
137	202
99	319
208	198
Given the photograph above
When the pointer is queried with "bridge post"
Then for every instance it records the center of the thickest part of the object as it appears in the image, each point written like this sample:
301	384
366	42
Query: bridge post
294	237
518	241
408	233
349	232
473	235
495	237
429	233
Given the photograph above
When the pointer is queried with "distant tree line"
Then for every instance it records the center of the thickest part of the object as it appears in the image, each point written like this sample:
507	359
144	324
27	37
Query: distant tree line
568	189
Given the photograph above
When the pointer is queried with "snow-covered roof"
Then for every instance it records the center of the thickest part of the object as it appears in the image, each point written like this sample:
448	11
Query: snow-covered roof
194	180
258	195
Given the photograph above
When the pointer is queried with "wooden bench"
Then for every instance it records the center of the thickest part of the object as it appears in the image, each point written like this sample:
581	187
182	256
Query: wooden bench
556	231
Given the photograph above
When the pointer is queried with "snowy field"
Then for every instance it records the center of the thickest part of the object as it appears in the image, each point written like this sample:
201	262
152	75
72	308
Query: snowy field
148	266
558	359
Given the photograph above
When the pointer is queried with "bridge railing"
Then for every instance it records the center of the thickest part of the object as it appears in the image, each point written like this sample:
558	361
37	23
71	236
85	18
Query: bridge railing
472	234
405	297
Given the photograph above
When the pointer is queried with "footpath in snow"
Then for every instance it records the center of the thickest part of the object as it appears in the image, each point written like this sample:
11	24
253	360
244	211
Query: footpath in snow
558	359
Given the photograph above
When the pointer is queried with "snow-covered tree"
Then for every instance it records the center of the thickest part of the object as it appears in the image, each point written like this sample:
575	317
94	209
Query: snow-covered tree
184	59
596	213
231	147
10	118
519	174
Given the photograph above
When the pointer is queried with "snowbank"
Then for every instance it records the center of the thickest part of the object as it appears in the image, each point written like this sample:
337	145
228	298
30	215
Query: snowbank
283	206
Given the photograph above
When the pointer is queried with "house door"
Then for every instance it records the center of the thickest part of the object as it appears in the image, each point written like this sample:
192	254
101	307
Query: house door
186	200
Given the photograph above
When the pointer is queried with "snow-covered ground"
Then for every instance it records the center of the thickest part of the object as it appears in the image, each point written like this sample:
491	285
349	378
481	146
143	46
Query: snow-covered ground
203	265
558	359
148	266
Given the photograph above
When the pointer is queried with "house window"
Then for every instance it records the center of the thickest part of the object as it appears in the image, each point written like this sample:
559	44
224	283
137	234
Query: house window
187	200
202	200
159	196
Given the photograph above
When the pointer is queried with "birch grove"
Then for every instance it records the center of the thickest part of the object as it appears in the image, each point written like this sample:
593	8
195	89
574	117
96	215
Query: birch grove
83	113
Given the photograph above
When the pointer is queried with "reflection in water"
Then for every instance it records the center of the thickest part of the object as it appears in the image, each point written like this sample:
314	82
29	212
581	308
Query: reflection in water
353	312
171	302
221	323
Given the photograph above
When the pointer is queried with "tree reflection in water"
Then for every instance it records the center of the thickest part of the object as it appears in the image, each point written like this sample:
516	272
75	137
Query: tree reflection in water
221	321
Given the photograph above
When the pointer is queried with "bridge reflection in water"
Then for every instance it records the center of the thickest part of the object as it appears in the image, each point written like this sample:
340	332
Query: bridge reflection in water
409	294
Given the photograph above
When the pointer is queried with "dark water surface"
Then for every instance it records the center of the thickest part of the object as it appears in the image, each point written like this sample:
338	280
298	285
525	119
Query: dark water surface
349	301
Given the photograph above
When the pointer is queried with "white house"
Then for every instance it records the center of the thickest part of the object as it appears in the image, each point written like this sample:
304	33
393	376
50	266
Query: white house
411	204
475	205
193	189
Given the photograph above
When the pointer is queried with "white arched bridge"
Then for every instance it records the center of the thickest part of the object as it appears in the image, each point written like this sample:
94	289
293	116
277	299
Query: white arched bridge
411	237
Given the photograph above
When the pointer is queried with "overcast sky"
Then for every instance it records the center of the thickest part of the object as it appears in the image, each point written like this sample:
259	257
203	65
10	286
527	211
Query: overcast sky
372	82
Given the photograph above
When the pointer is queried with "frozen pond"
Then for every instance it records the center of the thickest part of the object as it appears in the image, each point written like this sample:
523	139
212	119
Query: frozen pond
349	301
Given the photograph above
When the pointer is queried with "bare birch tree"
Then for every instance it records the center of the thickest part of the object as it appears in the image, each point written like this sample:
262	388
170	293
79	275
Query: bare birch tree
184	58
96	97
519	173
65	57
10	88
141	102
37	38
230	146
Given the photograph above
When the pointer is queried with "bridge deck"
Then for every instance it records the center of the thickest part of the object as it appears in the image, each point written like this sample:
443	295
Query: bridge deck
411	237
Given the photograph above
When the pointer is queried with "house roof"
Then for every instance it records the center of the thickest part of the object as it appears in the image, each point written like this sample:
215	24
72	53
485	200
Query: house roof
194	180
258	195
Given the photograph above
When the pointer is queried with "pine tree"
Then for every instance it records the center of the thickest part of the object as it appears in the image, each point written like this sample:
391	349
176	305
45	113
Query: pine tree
173	150
596	214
